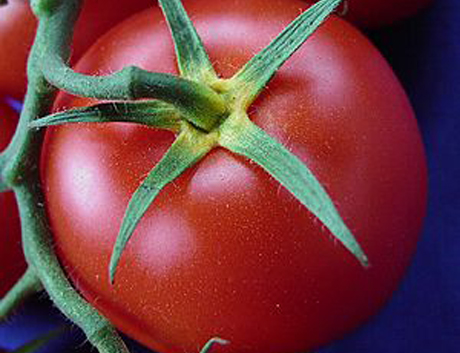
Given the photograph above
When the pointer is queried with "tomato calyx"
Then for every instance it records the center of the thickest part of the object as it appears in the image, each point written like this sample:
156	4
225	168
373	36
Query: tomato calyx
204	110
228	127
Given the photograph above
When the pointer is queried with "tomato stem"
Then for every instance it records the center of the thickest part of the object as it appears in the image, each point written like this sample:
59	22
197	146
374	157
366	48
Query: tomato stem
39	252
26	286
198	103
205	110
212	342
20	171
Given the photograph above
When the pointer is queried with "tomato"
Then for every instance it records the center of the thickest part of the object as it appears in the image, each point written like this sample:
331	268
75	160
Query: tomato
376	13
17	29
225	250
18	26
12	263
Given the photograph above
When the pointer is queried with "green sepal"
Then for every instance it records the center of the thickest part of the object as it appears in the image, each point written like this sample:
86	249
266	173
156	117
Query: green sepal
240	135
253	77
212	342
193	61
40	342
152	113
190	146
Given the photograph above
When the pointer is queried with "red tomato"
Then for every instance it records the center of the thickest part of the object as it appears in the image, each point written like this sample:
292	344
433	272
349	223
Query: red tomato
225	250
17	31
12	263
376	13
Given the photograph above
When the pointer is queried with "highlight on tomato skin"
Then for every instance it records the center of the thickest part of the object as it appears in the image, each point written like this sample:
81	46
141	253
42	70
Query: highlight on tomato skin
379	13
225	251
12	262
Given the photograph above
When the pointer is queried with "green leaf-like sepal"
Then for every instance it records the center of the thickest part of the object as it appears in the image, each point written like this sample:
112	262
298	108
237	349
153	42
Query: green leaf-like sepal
253	77
240	135
193	61
152	113
190	146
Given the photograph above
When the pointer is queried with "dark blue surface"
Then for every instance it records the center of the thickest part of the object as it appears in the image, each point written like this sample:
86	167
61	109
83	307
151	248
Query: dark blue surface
424	315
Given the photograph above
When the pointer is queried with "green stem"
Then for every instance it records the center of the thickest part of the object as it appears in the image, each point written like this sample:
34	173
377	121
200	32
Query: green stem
199	104
212	342
21	172
39	252
27	285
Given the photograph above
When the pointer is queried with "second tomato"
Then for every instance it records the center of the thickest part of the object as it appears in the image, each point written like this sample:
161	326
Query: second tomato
377	13
18	27
12	262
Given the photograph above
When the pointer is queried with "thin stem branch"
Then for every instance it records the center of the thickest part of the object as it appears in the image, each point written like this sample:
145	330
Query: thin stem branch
21	172
39	252
28	285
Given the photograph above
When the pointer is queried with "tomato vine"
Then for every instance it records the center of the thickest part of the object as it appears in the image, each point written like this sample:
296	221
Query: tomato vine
205	110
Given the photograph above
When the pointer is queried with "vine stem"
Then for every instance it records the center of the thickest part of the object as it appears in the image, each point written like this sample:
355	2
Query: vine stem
39	252
199	104
27	285
20	171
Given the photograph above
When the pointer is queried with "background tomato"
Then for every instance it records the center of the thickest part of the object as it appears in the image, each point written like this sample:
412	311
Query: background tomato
17	30
376	13
225	251
12	263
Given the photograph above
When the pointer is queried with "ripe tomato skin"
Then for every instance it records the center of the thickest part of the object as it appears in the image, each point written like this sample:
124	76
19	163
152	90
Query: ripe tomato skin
377	13
18	27
225	251
12	263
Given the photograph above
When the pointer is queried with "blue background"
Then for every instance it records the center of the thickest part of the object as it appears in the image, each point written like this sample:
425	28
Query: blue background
424	314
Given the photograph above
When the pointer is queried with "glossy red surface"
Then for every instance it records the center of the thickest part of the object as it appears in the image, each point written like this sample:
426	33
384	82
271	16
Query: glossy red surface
12	263
226	251
18	27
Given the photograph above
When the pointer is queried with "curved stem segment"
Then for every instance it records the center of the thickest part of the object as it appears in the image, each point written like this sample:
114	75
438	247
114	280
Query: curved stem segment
39	253
28	285
21	172
199	104
190	146
241	136
213	342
